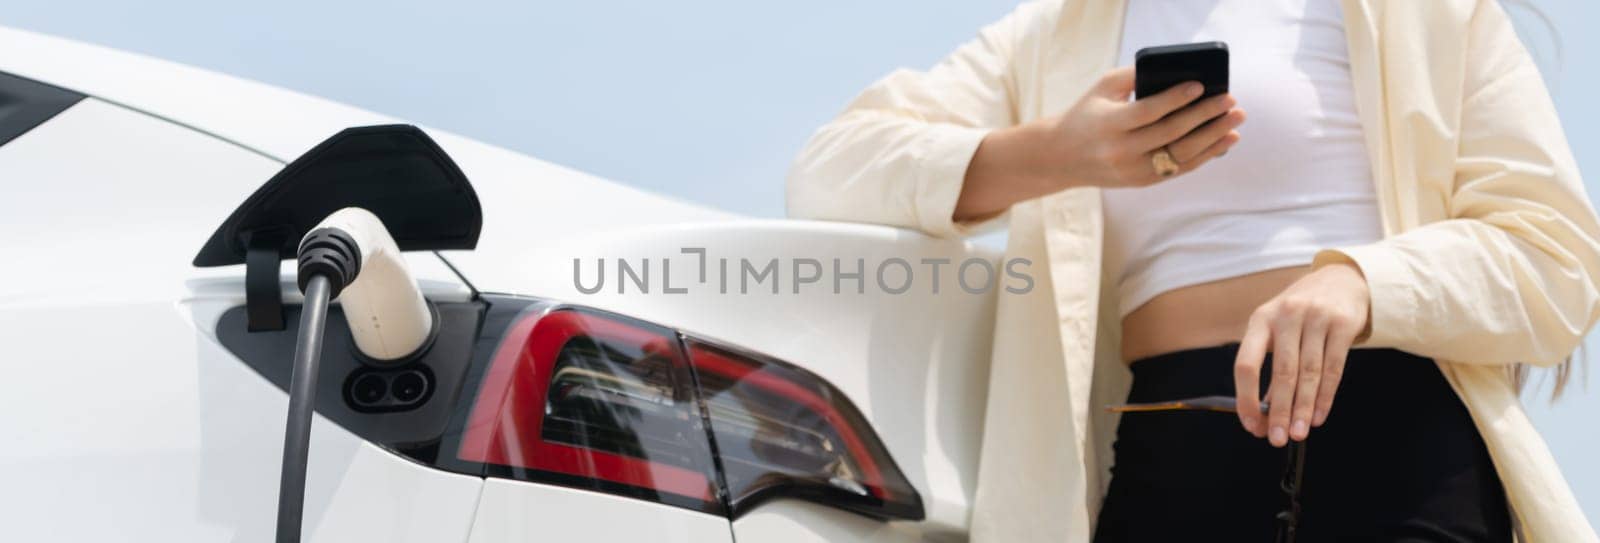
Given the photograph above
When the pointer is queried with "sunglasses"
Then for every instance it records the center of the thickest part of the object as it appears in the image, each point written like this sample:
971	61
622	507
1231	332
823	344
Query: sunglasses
1294	467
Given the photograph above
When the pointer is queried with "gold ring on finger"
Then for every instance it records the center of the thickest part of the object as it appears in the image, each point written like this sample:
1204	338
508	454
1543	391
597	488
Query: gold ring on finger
1165	165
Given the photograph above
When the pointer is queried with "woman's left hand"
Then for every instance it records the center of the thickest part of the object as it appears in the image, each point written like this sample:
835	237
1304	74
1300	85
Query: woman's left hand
1309	329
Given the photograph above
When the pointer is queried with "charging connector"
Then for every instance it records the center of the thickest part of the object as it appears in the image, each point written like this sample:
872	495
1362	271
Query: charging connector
389	320
350	256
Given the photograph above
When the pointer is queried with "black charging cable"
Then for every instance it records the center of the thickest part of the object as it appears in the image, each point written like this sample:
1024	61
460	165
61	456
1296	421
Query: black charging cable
329	261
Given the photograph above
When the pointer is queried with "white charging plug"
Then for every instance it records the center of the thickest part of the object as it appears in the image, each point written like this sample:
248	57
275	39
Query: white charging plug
387	315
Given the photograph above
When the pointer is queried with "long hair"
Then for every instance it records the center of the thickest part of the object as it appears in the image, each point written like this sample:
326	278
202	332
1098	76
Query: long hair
1538	32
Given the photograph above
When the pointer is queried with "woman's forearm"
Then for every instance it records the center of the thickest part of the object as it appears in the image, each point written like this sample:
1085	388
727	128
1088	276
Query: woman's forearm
1010	166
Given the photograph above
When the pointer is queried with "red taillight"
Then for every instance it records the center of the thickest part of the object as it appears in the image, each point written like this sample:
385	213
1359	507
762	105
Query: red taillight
783	431
616	390
585	398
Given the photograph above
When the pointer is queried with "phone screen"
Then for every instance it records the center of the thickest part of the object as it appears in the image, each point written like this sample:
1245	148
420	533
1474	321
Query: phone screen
1159	68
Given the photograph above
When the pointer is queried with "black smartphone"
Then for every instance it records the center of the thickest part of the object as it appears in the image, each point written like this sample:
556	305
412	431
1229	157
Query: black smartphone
1159	68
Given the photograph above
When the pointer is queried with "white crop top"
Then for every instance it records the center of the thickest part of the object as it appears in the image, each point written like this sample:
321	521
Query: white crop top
1299	179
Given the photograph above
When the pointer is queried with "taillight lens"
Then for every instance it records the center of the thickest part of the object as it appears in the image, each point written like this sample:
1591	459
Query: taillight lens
594	400
780	430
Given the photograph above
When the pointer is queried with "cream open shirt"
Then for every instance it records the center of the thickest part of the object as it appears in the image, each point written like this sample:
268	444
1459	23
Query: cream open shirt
1490	257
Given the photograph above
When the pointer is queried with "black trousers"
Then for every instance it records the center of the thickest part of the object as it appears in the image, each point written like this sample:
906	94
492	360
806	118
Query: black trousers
1398	459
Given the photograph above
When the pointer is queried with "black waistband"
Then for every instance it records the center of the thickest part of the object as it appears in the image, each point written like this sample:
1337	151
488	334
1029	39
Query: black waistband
1209	371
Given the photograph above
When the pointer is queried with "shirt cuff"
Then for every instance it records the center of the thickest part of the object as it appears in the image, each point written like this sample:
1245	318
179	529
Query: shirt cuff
1393	305
942	157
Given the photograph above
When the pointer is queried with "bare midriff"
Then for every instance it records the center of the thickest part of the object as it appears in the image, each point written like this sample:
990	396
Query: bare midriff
1203	315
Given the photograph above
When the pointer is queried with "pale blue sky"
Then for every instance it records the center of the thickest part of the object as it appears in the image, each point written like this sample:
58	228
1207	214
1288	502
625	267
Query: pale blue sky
704	100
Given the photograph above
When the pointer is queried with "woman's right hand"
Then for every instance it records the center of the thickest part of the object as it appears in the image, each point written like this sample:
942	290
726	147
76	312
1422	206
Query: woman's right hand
1104	140
1107	141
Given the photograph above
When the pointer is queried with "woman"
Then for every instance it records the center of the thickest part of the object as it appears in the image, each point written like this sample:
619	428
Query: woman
1399	227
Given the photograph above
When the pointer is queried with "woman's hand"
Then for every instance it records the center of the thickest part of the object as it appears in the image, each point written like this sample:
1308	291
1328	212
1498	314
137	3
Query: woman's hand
1309	329
1104	140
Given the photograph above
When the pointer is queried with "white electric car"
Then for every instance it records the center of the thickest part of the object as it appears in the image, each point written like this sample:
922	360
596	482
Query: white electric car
606	367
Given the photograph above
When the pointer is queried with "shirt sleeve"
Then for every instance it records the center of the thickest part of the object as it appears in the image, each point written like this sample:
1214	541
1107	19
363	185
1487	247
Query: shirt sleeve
898	154
1511	275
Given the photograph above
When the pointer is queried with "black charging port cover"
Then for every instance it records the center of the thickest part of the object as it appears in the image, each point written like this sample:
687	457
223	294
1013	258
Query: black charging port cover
395	171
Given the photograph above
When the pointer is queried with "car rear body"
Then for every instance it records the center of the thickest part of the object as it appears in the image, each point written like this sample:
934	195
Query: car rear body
132	419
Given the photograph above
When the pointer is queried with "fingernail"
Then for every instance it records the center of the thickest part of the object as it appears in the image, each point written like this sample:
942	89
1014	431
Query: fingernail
1194	89
1277	436
1300	429
1318	417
